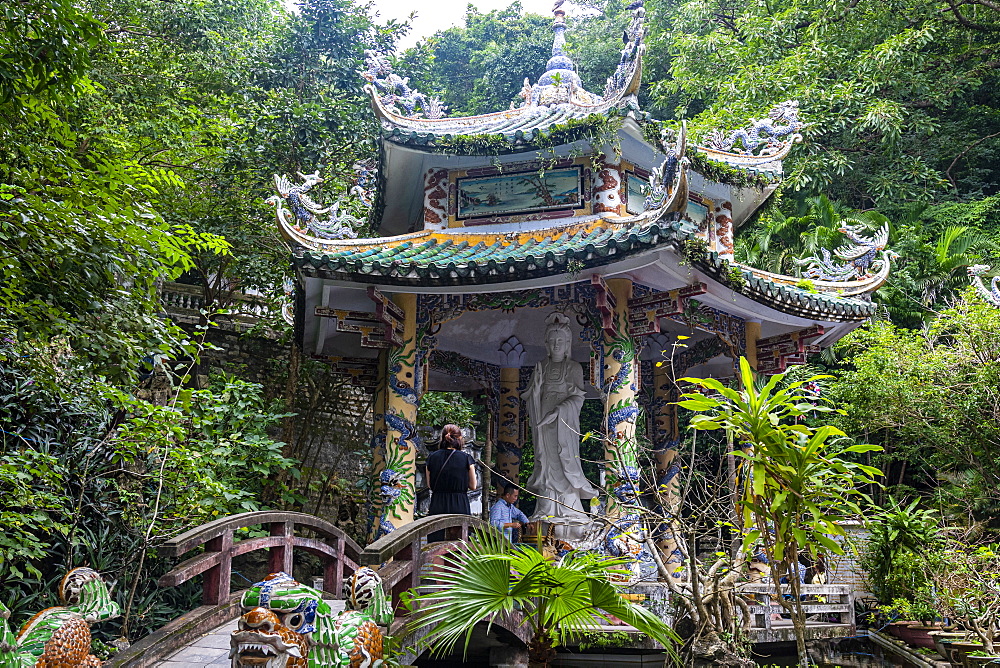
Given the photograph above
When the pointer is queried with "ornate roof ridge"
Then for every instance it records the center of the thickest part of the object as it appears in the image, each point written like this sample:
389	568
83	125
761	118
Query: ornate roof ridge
557	93
866	285
990	294
766	142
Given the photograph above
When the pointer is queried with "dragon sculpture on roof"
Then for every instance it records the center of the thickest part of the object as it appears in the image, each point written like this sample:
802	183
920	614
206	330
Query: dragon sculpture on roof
991	294
664	179
787	113
853	259
307	213
395	90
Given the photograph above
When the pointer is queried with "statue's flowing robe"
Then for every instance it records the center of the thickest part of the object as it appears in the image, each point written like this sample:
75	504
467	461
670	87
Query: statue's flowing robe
558	473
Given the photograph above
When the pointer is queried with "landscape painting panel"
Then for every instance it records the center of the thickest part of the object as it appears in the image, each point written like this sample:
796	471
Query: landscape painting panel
636	201
520	192
697	212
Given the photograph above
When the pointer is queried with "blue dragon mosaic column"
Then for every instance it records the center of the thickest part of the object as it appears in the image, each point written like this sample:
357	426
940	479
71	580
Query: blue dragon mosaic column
395	446
621	407
666	439
509	441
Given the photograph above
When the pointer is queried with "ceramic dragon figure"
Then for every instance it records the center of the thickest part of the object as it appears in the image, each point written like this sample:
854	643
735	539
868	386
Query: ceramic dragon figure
306	213
390	489
289	625
626	536
782	122
855	258
991	294
60	636
663	180
395	90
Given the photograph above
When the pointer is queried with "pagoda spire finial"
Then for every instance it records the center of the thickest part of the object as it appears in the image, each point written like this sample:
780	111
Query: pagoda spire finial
559	28
560	69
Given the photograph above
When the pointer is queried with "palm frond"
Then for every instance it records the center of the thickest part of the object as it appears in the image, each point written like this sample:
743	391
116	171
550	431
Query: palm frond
488	577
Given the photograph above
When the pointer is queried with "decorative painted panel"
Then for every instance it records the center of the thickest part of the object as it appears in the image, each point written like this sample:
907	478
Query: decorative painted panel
520	192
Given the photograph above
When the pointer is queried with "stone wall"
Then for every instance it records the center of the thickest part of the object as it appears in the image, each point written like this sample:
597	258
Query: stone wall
330	430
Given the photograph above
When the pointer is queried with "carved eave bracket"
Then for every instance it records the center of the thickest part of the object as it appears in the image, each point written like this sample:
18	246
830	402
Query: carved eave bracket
775	353
605	303
391	316
381	329
357	322
644	313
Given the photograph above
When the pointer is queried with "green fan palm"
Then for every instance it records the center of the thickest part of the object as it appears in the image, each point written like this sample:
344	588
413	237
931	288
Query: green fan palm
488	578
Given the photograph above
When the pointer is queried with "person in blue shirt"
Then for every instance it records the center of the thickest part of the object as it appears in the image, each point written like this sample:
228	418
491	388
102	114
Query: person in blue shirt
504	514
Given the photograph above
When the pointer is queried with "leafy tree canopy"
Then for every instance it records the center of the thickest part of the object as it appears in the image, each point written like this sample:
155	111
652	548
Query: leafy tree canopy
899	97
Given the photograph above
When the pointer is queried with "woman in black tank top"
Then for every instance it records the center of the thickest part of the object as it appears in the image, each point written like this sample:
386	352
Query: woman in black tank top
451	473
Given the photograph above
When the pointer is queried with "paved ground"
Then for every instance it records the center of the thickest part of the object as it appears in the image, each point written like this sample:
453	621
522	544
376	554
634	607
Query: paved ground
212	649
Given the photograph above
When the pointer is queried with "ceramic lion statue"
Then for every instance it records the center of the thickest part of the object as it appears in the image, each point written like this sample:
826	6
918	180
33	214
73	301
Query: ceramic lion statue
289	625
60	636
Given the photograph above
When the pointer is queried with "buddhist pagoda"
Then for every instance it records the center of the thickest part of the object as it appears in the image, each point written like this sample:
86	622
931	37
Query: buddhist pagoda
570	202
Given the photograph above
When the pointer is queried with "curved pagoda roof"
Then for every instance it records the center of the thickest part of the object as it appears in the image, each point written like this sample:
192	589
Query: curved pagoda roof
649	209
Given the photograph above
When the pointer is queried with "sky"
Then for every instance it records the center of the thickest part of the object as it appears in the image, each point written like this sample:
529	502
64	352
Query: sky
434	15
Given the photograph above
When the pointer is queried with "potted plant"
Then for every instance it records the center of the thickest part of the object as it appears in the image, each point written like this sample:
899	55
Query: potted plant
916	617
967	580
980	658
943	639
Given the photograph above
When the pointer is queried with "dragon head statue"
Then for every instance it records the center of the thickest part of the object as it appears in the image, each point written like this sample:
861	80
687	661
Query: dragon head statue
289	625
277	630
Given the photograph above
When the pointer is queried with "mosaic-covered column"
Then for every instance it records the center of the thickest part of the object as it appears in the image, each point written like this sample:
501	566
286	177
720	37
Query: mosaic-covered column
621	407
397	477
376	500
666	440
509	432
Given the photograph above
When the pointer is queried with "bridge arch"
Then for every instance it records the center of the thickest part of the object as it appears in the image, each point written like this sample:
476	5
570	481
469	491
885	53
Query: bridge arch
401	558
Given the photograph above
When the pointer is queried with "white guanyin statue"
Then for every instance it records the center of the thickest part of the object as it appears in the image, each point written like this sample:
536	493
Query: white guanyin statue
554	397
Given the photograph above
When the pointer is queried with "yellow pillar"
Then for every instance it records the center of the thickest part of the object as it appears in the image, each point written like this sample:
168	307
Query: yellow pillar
376	502
752	335
509	432
397	477
621	409
666	440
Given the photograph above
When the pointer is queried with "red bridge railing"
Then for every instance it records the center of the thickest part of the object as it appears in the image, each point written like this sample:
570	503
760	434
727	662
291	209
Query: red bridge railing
337	551
403	550
398	557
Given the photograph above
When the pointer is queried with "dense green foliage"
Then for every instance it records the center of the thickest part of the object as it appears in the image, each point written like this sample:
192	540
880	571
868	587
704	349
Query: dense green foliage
799	482
931	397
899	541
899	97
440	408
92	474
137	142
